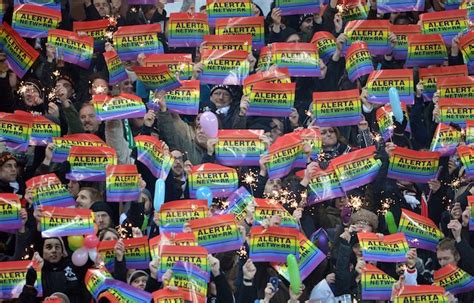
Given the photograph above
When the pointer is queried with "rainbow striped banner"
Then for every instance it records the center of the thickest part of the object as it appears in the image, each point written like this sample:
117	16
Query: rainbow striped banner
466	43
43	131
137	253
265	59
273	244
326	44
170	254
400	50
100	30
13	279
15	128
384	117
177	239
243	26
313	138
469	132
398	6
88	163
62	145
420	231
118	291
174	214
62	221
52	194
429	77
425	50
277	75
10	207
184	100
390	248
420	293
324	185
358	60
271	99
224	67
456	87
373	32
357	168
218	233
337	108
284	153
191	278
376	284
157	78
47	3
106	250
413	166
187	30
470	201
130	41
301	59
33	21
456	110
177	63
237	203
355	10
42	180
20	55
454	279
466	155
72	47
221	180
228	42
445	139
117	72
122	183
380	81
265	209
151	153
166	295
95	280
239	147
122	106
218	9
3	8
298	7
447	23
468	5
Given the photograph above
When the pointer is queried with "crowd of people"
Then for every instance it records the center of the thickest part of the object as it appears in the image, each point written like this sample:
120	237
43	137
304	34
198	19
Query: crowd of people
62	92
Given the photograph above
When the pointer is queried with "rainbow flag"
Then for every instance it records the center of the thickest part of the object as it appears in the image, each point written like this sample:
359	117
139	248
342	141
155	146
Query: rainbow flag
454	279
13	278
191	278
62	145
445	139
284	153
218	233
118	291
151	153
47	3
174	214
177	63
43	131
130	41
466	154
10	207
470	201
166	295
357	168
117	72
271	99
425	50
218	9
358	60
420	293
106	250
52	194
88	162
72	47
373	32
137	253
239	147
42	180
298	7
466	43
170	254
413	166
456	87
95	280
20	55
224	67
122	106
376	285
243	26
430	76
265	59
301	59
384	117
122	183
2	11
312	137
354	10
187	30
326	44
397	6
183	100
232	42
157	78
177	239
237	203
61	221
380	81
390	248
337	108
420	231
33	21
273	244
469	131
324	185
16	129
456	110
100	30
221	180
447	23
400	50
277	75
267	208
468	5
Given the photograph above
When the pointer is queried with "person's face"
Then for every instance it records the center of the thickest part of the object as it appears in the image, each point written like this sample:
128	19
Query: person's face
84	199
221	98
201	137
329	136
88	119
339	203
31	96
52	250
446	257
8	171
110	236
126	86
307	26
277	129
294	38
363	226
178	164
140	282
102	219
64	89
73	187
102	7
272	186
99	87
146	202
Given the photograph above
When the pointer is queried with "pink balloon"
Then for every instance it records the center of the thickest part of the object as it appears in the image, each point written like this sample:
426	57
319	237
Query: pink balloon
91	241
80	256
209	124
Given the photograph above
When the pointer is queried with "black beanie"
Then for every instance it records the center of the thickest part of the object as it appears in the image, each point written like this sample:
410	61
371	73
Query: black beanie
102	206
